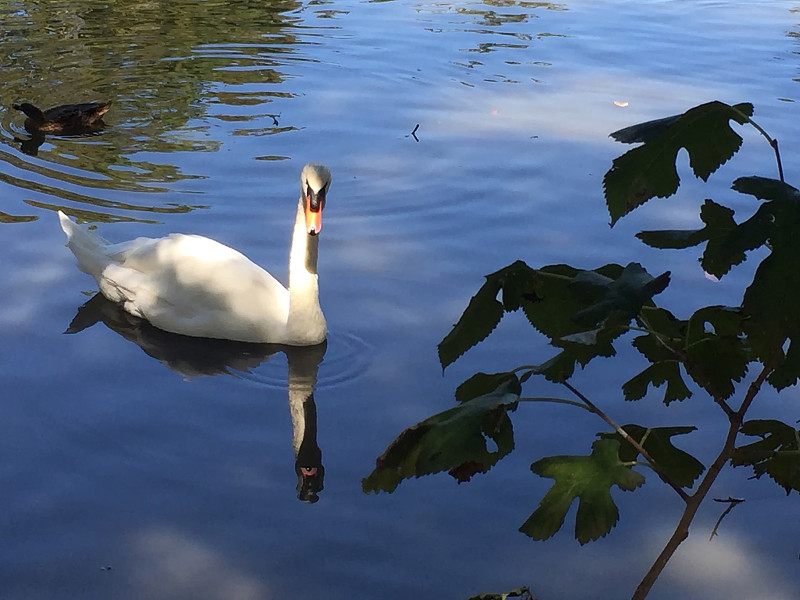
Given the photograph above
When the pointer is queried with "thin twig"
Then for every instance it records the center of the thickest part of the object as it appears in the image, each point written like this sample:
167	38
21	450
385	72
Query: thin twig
630	440
772	142
414	133
731	503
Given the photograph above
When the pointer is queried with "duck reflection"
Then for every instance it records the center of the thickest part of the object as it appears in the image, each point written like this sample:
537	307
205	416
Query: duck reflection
65	120
193	357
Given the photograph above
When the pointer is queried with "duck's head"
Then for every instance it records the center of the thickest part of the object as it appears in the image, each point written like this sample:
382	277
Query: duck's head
30	111
315	180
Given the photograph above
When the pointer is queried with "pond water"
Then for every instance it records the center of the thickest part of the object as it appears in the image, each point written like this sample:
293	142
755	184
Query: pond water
461	136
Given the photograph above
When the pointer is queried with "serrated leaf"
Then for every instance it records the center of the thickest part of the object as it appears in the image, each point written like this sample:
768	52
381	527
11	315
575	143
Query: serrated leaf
663	347
716	354
777	454
649	171
726	242
587	478
549	305
455	440
623	296
680	467
481	316
724	248
667	371
770	302
484	311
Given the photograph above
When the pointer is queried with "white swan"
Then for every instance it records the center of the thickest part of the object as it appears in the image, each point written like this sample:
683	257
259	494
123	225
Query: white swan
196	286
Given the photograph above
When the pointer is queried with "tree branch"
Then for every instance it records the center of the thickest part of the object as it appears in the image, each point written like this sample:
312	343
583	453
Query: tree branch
695	500
624	434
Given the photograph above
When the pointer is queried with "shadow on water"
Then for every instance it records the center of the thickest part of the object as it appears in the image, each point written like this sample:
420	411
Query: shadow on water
193	357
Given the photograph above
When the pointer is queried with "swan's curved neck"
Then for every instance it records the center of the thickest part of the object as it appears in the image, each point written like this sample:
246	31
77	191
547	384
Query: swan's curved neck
305	323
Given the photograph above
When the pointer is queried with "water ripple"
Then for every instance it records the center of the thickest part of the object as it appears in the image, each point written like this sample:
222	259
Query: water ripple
346	359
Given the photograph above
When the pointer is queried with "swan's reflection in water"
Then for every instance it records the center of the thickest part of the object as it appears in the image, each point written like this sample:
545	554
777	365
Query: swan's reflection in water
193	357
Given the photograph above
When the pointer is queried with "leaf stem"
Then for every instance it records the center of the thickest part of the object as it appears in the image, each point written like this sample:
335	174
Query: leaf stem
629	439
772	142
556	401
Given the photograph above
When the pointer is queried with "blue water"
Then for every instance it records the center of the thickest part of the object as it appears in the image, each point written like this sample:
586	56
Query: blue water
127	478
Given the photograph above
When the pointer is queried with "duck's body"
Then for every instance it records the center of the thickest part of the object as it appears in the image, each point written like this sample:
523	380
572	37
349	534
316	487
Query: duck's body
65	119
195	286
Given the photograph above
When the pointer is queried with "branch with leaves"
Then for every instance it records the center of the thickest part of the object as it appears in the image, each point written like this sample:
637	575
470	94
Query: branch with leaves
585	313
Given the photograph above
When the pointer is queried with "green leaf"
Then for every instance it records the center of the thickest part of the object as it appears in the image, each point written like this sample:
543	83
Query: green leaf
777	454
765	188
648	171
663	346
769	307
727	242
645	132
588	478
623	296
666	371
680	467
456	440
716	355
673	239
484	310
482	383
549	304
724	248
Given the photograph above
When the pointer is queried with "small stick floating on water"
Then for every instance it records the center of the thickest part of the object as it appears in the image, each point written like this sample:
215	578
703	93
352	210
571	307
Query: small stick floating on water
414	133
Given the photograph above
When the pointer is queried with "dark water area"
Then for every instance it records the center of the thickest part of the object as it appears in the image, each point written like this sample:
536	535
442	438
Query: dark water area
134	465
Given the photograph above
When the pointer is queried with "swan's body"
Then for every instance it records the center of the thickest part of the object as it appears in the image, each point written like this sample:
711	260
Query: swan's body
196	286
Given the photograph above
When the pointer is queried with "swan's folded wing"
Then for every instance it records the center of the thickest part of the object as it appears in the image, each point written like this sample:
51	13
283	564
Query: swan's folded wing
195	286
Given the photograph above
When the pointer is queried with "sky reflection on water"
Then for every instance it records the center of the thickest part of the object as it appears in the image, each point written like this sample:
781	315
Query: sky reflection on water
185	487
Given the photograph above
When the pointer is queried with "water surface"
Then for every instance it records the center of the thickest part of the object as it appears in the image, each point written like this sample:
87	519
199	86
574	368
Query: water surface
130	473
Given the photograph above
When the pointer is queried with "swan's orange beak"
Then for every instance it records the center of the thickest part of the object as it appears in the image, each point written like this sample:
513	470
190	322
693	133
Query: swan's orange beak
314	203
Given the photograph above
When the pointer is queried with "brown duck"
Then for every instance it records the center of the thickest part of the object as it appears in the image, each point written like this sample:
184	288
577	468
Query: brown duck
65	119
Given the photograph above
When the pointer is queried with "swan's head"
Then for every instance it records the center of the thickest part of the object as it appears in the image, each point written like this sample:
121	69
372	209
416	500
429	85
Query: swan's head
314	183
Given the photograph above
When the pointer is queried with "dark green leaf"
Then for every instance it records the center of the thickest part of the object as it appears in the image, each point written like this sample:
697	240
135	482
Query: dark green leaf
672	238
623	296
588	478
456	440
649	171
727	242
482	383
680	467
716	355
479	319
667	371
484	310
765	188
777	454
645	132
724	247
770	302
